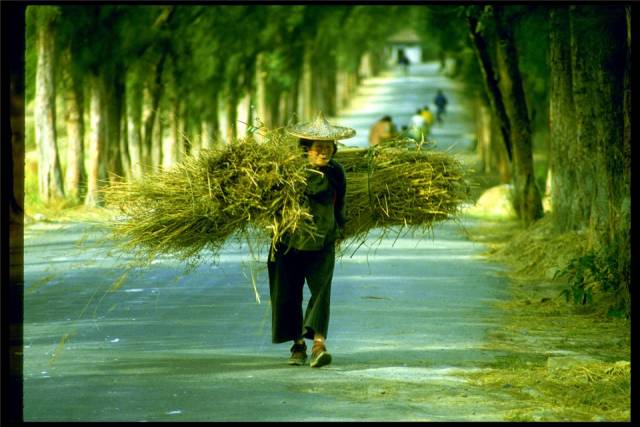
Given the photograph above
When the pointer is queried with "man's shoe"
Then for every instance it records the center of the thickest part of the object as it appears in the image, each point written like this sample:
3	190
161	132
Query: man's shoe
319	356
298	354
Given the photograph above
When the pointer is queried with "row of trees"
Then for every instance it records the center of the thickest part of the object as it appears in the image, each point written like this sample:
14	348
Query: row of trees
499	55
141	86
157	82
563	71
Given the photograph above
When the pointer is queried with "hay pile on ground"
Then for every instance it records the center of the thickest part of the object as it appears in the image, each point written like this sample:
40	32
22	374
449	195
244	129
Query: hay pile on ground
594	391
256	188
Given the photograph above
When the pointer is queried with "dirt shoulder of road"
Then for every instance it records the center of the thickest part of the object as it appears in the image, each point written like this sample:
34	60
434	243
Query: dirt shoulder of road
566	362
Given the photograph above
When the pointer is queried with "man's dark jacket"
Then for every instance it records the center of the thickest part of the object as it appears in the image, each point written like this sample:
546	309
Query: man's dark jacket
325	197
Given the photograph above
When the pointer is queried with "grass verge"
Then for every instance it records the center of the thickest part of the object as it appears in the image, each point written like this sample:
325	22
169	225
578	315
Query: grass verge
562	362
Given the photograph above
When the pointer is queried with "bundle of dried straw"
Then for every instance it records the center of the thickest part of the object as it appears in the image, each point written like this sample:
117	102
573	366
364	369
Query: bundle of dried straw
256	188
396	186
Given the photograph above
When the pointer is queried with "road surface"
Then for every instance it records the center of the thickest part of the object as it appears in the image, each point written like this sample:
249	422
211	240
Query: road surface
409	318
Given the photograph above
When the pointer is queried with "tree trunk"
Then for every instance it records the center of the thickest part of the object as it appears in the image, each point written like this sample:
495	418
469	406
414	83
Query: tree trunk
330	85
499	155
13	147
178	130
232	118
591	170
341	90
292	99
274	112
283	105
76	174
490	148
243	120
170	138
157	141
483	135
600	51
305	101
354	82
167	141
364	68
125	158
565	200
623	233
612	86
155	90
96	142
278	104
190	132
134	124
491	84
49	173
627	95
262	92
113	107
212	127
324	85
377	62
606	67
146	131
526	194
223	119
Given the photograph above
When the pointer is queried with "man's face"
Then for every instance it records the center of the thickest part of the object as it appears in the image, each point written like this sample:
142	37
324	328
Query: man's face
320	153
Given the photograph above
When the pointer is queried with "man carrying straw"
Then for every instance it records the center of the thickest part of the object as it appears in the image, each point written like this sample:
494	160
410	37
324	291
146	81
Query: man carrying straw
299	257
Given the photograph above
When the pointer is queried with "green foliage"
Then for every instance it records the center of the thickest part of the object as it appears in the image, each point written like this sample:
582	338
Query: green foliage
443	26
532	39
42	15
211	50
31	55
445	29
581	286
591	273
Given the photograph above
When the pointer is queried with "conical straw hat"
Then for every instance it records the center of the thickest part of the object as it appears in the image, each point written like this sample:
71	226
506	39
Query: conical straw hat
320	129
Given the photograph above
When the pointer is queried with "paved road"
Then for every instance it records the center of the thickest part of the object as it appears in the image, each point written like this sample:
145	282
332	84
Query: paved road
409	318
400	96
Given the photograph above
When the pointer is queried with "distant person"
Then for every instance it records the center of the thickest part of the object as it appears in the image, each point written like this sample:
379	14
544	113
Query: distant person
381	131
403	61
418	126
441	105
442	57
427	115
